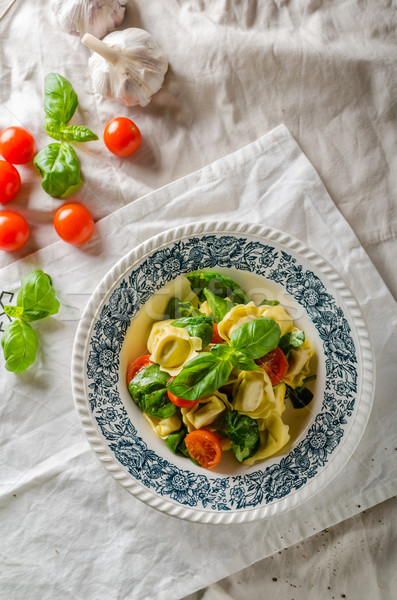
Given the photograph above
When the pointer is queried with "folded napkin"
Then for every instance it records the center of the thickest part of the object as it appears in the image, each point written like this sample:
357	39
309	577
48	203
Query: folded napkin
68	529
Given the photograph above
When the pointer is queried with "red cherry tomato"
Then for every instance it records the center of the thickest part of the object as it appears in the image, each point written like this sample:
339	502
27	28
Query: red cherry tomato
17	145
138	365
204	447
10	181
216	338
74	223
275	364
122	136
14	231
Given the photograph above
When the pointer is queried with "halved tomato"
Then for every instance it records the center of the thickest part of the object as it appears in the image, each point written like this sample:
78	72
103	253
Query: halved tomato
137	365
204	447
275	364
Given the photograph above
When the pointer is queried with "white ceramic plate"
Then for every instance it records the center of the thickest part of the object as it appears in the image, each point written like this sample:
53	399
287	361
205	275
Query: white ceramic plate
263	261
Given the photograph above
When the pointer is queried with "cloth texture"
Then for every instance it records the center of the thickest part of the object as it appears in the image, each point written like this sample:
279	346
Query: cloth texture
269	181
237	69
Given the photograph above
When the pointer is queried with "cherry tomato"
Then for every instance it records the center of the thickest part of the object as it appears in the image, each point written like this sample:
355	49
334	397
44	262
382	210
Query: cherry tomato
216	338
10	181
74	223
138	365
180	402
14	231
204	447
275	364
17	145
122	136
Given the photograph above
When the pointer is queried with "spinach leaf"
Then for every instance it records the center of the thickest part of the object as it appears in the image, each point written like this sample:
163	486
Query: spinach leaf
291	340
300	396
256	338
176	309
148	390
176	442
219	285
19	342
60	169
60	99
202	375
266	302
36	298
238	359
218	306
202	327
243	433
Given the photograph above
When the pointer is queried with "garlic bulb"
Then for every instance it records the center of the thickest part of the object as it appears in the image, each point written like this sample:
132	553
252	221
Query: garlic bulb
127	66
98	17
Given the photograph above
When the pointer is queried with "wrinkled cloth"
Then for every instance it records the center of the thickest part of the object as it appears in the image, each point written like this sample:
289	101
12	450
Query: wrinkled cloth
68	504
327	69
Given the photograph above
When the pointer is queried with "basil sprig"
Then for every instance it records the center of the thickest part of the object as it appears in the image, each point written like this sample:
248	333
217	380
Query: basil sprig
58	163
208	371
35	300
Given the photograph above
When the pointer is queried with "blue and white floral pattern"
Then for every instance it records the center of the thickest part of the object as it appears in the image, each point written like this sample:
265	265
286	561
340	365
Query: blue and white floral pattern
161	476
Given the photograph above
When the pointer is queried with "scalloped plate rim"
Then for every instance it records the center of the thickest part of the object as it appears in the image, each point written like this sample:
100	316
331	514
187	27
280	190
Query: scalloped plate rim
126	264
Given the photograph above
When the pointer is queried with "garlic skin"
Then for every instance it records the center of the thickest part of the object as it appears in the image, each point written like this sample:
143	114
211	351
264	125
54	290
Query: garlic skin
98	17
128	66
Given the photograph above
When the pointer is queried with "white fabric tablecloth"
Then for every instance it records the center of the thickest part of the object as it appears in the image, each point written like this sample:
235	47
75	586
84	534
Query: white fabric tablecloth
237	69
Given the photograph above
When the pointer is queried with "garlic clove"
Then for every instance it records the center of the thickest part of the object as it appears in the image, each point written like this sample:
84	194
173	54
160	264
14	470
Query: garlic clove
128	66
97	17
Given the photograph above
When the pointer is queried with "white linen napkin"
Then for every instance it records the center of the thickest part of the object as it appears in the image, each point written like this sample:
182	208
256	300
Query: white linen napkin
68	529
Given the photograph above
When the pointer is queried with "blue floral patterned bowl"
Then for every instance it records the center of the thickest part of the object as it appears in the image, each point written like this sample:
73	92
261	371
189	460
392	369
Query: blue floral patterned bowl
323	436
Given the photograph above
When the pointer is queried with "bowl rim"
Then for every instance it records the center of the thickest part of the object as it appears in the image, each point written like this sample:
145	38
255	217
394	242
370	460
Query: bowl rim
132	259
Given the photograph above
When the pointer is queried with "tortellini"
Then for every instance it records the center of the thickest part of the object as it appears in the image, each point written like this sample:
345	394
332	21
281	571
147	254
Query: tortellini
279	315
299	364
253	394
238	315
206	411
171	347
272	439
163	427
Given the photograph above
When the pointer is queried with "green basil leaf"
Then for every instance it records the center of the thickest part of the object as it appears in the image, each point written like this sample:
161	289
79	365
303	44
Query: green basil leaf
243	433
202	327
266	302
256	338
238	359
291	340
19	342
219	285
53	128
78	133
202	375
60	99
13	311
37	296
176	309
60	169
148	390
300	396
218	306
